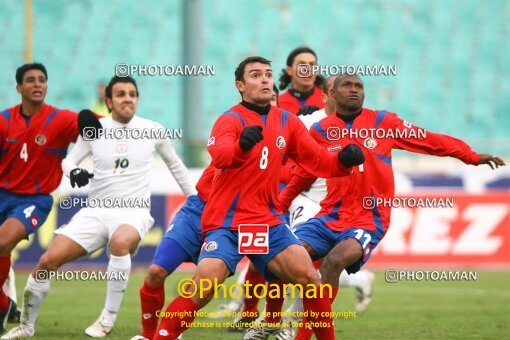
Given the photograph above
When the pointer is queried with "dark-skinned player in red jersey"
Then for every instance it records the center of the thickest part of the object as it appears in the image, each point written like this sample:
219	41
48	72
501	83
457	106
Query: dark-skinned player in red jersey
249	143
34	138
347	229
304	95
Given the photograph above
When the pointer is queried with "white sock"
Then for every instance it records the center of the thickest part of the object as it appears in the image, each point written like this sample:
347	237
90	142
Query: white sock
9	287
119	268
238	292
33	296
297	306
353	280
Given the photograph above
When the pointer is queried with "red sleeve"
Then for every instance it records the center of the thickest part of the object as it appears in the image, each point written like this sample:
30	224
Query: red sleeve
286	173
70	125
300	181
426	142
223	145
305	151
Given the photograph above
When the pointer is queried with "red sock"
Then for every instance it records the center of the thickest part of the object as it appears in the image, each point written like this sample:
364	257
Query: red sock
5	266
334	292
253	278
304	333
322	326
274	304
317	264
152	299
172	327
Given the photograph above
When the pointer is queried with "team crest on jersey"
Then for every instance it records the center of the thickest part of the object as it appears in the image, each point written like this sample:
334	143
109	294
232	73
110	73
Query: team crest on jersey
211	141
121	147
40	139
370	143
210	246
34	221
334	147
280	142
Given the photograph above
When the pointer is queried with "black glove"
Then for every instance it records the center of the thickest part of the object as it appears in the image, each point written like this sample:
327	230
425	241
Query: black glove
306	110
351	155
80	177
250	136
88	125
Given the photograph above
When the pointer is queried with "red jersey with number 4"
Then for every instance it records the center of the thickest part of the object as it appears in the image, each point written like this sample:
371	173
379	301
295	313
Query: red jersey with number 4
292	104
349	200
32	149
245	190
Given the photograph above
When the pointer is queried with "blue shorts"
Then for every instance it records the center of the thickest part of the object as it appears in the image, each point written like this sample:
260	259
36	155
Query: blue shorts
322	240
185	228
223	244
31	210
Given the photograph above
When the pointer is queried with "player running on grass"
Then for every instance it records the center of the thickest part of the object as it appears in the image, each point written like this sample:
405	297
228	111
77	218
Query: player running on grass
346	230
249	143
34	138
121	171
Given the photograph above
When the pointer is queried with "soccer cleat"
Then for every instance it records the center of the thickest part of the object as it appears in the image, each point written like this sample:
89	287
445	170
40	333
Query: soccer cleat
260	332
4	315
365	293
14	314
101	328
20	332
287	333
139	337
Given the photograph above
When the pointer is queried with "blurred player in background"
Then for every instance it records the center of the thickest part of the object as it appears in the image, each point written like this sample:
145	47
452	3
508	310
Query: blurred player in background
304	95
181	243
98	104
346	230
245	192
121	171
34	138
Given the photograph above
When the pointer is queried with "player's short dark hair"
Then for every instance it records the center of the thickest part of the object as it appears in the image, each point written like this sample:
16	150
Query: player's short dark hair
117	79
284	79
239	73
20	72
324	85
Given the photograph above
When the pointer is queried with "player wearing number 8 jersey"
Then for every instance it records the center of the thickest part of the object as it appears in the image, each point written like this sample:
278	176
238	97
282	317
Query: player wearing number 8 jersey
249	143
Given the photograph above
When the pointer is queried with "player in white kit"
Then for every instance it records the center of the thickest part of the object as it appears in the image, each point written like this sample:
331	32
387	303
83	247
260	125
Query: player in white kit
122	165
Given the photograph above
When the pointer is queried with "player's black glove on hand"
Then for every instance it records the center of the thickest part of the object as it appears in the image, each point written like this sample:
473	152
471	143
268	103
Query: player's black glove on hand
307	110
80	177
351	155
250	136
88	125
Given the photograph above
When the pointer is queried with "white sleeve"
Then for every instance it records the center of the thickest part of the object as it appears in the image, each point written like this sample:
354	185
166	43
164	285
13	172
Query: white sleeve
80	150
176	166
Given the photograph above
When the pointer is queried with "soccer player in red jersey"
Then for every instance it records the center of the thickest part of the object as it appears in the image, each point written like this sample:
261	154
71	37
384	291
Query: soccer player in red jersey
249	143
347	228
305	94
34	138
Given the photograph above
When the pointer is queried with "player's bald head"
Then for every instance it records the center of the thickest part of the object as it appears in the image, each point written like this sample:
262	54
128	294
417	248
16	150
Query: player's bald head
342	78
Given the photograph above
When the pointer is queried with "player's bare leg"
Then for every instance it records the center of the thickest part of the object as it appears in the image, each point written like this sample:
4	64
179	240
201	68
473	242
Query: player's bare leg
12	232
61	251
123	243
208	270
340	257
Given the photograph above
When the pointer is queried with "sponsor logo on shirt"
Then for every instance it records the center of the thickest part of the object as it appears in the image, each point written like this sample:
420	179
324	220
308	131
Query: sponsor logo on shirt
334	147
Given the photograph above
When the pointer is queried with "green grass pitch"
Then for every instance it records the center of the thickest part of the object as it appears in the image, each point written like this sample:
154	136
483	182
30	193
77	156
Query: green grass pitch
403	310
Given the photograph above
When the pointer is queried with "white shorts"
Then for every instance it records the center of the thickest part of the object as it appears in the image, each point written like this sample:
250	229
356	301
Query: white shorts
301	210
92	228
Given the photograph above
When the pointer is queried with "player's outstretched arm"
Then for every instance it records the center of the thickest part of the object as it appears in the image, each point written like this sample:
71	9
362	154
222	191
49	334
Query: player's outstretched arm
316	159
174	163
225	145
426	142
